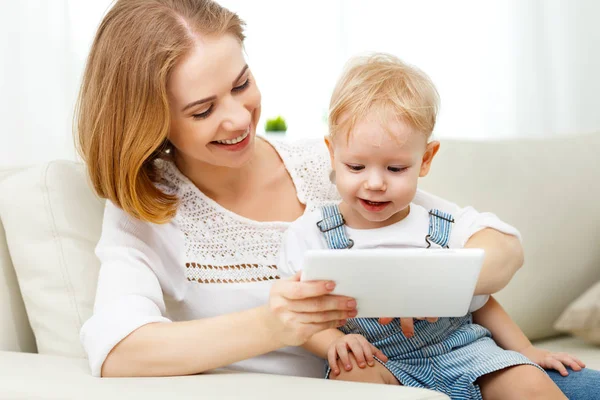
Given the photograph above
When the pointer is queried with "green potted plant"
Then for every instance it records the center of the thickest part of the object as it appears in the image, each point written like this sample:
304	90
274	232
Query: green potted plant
276	125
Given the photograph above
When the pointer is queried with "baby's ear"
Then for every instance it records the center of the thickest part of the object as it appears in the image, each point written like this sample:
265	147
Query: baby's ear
430	152
330	148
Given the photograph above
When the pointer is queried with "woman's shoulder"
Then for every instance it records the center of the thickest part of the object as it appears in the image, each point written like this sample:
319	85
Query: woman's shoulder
308	162
121	229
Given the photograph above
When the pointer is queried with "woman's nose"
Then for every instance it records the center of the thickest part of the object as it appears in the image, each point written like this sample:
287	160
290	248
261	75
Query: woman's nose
237	116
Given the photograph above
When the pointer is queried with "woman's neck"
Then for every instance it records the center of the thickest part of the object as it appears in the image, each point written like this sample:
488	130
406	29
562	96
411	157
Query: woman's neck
224	182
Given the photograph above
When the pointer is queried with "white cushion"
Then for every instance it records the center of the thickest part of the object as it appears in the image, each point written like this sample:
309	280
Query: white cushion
548	189
52	222
67	378
582	317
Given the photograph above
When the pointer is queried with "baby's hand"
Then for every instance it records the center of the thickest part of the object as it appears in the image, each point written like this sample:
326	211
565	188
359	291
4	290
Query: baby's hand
549	360
359	346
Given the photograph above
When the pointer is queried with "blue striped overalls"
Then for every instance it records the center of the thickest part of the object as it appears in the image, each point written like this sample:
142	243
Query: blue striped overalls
447	356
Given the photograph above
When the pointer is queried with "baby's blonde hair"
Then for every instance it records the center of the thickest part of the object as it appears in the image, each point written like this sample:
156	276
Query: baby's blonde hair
383	84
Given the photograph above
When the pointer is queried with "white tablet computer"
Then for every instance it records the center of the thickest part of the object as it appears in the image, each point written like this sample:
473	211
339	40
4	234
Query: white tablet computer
400	282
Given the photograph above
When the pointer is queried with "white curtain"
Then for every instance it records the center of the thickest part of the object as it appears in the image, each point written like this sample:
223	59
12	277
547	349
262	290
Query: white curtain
43	46
504	68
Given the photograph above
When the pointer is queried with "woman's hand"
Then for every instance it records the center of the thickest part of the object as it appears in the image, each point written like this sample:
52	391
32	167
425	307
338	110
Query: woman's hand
406	324
359	346
375	374
549	360
297	310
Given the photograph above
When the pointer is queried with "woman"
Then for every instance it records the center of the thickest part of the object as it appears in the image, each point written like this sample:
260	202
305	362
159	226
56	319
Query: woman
197	205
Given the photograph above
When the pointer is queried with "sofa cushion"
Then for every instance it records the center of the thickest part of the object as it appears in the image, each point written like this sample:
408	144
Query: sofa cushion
66	378
16	334
582	317
548	189
52	221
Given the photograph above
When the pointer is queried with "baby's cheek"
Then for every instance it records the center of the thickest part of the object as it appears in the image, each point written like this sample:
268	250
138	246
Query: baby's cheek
347	184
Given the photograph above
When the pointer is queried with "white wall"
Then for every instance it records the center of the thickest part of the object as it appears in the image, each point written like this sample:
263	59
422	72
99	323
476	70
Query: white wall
504	68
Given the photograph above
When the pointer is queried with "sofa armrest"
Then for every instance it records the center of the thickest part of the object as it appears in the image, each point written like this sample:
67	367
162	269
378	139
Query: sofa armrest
35	376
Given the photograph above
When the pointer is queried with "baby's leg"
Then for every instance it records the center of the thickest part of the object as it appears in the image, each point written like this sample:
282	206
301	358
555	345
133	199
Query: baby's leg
519	382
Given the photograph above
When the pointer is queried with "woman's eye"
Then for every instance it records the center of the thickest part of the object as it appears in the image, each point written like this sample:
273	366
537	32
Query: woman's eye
241	87
355	167
396	169
204	114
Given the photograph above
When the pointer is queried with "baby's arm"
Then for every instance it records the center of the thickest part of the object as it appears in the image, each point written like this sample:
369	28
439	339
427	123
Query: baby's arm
509	336
332	343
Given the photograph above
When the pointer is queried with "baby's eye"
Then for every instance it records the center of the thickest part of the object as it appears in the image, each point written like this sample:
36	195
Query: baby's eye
396	169
355	167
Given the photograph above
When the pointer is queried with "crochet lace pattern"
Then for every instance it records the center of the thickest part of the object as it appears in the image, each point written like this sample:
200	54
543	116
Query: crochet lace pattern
224	247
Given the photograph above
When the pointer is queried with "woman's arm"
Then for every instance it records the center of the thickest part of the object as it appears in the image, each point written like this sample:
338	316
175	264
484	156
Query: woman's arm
503	258
296	311
129	335
191	347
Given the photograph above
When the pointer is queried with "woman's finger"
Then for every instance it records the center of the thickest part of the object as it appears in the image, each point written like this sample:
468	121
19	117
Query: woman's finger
431	320
322	303
293	289
325	316
385	320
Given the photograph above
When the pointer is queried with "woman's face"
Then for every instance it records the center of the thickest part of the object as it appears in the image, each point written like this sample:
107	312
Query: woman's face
214	104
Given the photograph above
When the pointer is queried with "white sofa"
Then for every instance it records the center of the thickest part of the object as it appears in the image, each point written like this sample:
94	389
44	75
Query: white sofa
50	222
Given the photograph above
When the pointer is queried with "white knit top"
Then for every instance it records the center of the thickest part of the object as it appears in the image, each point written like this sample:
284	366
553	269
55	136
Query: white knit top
207	261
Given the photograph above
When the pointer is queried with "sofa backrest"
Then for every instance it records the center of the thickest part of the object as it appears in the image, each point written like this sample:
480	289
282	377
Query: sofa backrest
15	331
548	189
52	222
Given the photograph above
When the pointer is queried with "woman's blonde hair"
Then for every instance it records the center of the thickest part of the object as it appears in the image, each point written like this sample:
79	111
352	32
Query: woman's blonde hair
122	114
382	83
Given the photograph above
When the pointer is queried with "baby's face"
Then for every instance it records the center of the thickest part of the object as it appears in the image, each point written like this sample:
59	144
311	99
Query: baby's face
377	170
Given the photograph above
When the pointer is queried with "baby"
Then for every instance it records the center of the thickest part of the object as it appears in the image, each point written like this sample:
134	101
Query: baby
382	114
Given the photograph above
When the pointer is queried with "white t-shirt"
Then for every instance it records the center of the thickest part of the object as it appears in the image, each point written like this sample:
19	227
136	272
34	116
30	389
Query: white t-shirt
207	261
304	234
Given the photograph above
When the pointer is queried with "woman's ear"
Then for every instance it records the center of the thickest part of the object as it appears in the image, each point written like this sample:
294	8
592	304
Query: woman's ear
430	152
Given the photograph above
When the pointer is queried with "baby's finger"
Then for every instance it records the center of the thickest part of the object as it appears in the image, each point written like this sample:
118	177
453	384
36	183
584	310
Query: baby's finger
357	349
379	354
367	349
332	359
557	365
569	361
577	360
342	352
431	320
407	326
